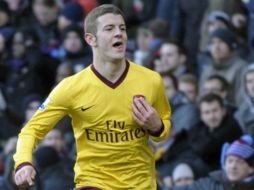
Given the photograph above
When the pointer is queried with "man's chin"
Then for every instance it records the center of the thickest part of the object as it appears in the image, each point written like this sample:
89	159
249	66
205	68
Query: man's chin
233	178
118	57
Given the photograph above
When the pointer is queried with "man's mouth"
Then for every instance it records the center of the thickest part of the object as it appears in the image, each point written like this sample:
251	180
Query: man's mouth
118	44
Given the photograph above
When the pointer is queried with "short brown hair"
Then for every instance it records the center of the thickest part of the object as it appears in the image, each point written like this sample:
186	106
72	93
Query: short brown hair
189	79
211	97
180	48
91	18
224	83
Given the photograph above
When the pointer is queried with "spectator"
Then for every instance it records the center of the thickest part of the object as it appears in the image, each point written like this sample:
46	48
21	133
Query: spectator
225	62
214	20
245	114
237	172
217	84
173	59
183	174
229	7
158	31
180	105
207	137
143	39
22	78
74	49
188	84
20	12
45	24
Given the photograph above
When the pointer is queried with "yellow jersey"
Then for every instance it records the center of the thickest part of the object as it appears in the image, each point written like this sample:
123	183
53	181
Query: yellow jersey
113	152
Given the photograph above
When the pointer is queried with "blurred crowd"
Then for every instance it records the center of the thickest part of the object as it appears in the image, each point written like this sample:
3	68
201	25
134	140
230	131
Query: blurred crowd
204	51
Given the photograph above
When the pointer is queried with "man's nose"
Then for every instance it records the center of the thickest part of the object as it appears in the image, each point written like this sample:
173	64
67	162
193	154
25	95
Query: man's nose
118	32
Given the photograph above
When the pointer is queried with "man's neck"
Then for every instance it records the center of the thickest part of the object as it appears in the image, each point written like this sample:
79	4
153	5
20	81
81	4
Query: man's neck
112	71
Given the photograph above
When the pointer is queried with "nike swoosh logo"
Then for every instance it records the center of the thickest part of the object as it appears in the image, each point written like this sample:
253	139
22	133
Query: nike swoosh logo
84	109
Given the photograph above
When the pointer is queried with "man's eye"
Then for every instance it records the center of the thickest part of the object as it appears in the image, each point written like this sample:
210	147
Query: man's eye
108	29
123	28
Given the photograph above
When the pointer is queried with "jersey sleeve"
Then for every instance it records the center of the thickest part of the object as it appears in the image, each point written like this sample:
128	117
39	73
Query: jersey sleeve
162	106
50	112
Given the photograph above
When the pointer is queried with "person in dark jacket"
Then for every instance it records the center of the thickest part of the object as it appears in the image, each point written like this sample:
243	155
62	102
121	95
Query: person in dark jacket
215	128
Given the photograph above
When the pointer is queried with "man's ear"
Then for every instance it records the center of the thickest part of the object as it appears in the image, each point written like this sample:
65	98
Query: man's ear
90	39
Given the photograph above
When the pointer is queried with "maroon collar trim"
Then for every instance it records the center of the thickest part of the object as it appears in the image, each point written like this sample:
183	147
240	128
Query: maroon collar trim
109	83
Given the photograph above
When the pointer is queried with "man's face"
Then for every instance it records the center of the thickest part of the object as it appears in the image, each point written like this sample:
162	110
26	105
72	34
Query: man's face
188	89
111	37
44	14
169	57
237	169
250	83
219	49
212	114
72	42
214	86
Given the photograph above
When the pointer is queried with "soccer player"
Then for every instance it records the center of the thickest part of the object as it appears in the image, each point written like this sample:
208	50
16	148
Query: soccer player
115	106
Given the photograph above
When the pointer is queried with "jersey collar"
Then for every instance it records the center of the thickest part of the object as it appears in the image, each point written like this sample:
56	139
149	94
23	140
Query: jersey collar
109	83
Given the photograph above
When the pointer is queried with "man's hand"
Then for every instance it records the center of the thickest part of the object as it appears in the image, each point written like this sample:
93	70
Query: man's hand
145	115
25	176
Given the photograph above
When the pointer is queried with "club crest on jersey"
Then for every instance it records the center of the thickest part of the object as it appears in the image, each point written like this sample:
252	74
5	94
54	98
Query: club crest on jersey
139	96
44	104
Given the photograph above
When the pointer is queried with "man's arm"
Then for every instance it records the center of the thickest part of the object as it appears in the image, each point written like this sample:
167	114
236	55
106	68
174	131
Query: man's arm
49	113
